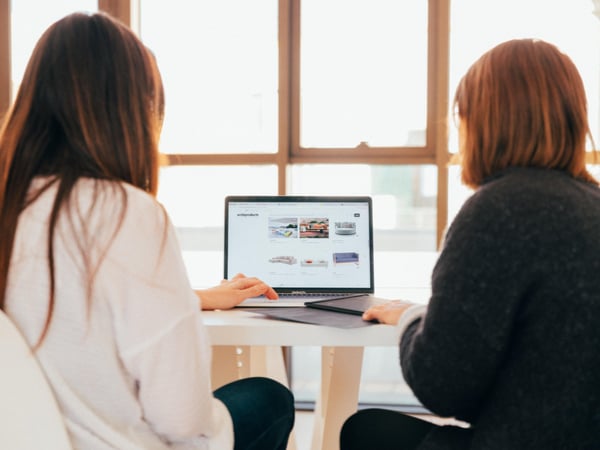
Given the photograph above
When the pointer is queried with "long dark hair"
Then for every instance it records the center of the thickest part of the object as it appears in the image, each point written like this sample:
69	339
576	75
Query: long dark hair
90	105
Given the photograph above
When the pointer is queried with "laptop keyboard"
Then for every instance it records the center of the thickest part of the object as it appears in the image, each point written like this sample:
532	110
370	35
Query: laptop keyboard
316	294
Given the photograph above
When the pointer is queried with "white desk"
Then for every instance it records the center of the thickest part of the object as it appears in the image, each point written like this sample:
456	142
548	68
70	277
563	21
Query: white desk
249	344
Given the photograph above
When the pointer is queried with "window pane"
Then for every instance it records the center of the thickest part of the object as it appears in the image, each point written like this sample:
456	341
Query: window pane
404	198
29	19
569	24
194	197
219	62
594	169
363	73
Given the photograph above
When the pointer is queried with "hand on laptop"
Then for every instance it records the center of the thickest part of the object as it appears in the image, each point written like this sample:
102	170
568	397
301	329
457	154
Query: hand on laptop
388	313
234	291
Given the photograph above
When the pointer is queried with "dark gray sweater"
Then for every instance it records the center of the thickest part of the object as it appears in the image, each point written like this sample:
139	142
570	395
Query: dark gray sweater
511	339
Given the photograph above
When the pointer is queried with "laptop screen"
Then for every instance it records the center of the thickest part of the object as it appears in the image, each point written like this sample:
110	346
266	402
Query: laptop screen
310	244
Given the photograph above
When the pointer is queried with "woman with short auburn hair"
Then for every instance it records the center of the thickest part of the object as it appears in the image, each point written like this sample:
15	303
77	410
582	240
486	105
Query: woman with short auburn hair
508	343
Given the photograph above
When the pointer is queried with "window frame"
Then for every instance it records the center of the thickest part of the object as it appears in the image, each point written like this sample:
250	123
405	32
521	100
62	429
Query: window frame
289	152
5	57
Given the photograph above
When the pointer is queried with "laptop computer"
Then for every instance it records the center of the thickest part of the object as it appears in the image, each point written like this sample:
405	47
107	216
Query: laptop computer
307	248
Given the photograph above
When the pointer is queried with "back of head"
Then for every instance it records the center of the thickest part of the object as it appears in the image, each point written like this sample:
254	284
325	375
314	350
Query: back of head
523	104
90	105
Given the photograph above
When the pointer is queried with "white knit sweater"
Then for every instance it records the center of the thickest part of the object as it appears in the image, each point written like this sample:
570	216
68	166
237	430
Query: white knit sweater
130	363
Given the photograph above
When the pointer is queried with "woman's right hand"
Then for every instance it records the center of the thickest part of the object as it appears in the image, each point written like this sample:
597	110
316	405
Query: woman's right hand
234	291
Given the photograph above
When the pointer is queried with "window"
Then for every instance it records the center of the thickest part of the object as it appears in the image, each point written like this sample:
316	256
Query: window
571	25
363	73
219	64
29	19
297	86
318	96
199	214
404	198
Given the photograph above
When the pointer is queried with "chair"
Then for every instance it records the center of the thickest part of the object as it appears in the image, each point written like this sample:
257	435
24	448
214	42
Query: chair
29	415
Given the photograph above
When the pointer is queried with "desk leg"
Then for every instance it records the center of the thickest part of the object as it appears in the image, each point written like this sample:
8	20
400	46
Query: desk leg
232	363
267	362
225	365
340	380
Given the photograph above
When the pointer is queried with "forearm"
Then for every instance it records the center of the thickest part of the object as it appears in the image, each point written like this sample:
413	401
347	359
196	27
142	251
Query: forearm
211	299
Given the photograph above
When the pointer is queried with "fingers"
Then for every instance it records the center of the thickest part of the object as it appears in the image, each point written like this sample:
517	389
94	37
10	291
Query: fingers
372	313
253	287
389	312
270	293
260	288
243	282
250	287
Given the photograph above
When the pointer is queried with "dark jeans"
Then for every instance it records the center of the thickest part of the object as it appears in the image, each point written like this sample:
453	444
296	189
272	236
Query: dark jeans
262	411
382	430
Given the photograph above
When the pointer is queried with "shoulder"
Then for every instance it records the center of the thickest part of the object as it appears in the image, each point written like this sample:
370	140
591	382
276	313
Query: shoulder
522	203
117	220
104	202
527	183
108	194
93	203
526	191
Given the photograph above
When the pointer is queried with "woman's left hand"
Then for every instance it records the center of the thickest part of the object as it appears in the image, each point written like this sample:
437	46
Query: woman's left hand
234	291
388	313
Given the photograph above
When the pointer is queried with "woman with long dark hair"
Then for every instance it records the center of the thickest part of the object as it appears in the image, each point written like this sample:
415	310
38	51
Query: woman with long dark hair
90	268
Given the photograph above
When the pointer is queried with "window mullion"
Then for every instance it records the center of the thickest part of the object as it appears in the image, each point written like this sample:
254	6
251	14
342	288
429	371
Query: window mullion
288	36
5	60
119	9
437	102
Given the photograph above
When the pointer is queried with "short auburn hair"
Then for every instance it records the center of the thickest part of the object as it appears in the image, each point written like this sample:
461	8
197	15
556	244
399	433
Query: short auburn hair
523	104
